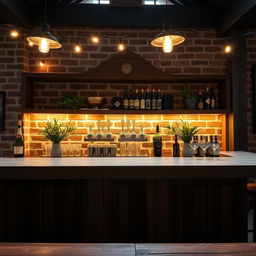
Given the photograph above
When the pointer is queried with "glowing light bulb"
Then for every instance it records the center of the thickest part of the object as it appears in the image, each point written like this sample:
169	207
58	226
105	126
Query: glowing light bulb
43	45
95	39
14	33
167	44
30	44
41	63
78	48
121	47
228	49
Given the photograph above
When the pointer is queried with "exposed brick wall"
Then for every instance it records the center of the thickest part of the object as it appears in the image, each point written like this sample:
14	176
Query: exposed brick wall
13	60
251	60
202	53
33	124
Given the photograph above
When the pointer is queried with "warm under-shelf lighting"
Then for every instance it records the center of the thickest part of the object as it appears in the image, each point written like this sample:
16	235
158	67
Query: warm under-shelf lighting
41	63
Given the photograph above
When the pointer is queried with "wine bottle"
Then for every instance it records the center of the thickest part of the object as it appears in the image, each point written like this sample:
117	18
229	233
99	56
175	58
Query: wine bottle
200	150
217	151
157	143
131	101
153	100
200	102
136	100
126	100
148	100
159	104
213	101
142	100
18	146
210	150
207	99
176	147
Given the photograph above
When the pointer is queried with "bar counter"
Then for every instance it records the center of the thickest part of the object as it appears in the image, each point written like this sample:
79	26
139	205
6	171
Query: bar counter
125	199
232	165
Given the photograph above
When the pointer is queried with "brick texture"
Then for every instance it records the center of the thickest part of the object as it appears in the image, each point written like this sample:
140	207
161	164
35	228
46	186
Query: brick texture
34	123
202	53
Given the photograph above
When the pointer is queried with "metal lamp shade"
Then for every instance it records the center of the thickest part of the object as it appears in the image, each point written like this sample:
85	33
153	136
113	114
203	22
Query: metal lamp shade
176	37
45	33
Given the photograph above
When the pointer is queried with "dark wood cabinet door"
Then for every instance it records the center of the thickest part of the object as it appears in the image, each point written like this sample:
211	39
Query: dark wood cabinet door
125	210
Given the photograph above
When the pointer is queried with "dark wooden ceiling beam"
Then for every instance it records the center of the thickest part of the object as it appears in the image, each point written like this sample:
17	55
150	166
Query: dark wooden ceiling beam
116	16
15	12
234	12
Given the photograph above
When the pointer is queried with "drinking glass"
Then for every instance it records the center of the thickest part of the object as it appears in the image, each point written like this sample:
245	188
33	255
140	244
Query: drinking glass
64	149
46	148
122	148
214	147
77	149
204	147
194	146
138	148
71	149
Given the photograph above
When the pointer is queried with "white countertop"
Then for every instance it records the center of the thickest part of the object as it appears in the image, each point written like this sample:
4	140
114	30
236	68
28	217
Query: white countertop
238	158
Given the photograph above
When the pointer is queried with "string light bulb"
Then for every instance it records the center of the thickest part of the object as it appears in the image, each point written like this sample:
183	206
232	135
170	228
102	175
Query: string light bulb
77	48
120	46
41	63
14	33
95	39
228	49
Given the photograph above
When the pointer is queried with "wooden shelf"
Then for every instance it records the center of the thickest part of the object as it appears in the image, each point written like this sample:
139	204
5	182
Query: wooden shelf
126	112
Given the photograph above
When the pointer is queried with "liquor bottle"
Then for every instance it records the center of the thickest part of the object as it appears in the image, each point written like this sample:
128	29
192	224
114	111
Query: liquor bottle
217	151
200	102
153	100
131	101
213	101
176	147
207	99
206	142
159	104
136	100
148	100
142	100
126	100
18	146
200	150
157	143
210	150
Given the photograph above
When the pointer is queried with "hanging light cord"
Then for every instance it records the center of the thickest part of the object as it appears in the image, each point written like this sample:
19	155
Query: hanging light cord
45	10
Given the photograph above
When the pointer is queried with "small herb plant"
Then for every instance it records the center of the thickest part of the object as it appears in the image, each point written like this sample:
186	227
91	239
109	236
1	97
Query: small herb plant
56	132
183	130
188	94
69	100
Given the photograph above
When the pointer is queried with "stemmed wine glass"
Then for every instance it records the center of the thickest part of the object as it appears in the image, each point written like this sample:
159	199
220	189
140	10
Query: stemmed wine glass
194	145
133	133
109	134
122	134
99	135
204	146
214	146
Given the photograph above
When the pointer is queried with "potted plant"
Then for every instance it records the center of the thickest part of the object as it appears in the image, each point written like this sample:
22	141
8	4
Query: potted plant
189	98
185	132
69	101
56	132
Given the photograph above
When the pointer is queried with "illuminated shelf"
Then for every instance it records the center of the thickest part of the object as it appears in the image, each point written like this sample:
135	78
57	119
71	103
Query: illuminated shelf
126	112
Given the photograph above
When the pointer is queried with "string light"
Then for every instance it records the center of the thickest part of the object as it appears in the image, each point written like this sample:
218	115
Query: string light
41	63
77	48
14	33
228	49
95	39
120	46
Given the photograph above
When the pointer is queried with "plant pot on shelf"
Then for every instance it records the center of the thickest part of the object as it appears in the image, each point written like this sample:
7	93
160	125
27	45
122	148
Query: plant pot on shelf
68	106
56	150
190	104
186	150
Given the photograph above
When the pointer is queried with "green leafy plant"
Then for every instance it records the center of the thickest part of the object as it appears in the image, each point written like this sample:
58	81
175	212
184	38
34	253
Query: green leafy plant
56	132
183	130
188	94
69	100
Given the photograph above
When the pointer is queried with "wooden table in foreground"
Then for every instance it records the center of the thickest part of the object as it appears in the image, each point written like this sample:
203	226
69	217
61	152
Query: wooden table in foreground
13	249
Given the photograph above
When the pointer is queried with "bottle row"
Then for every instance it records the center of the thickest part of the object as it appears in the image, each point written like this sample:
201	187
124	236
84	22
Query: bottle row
206	100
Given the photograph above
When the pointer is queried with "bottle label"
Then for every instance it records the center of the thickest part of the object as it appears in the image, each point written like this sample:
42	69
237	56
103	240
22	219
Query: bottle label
159	104
126	103
18	150
208	101
137	104
148	104
142	104
153	103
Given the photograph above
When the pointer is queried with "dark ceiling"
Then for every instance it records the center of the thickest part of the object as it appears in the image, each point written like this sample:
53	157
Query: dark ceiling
221	14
